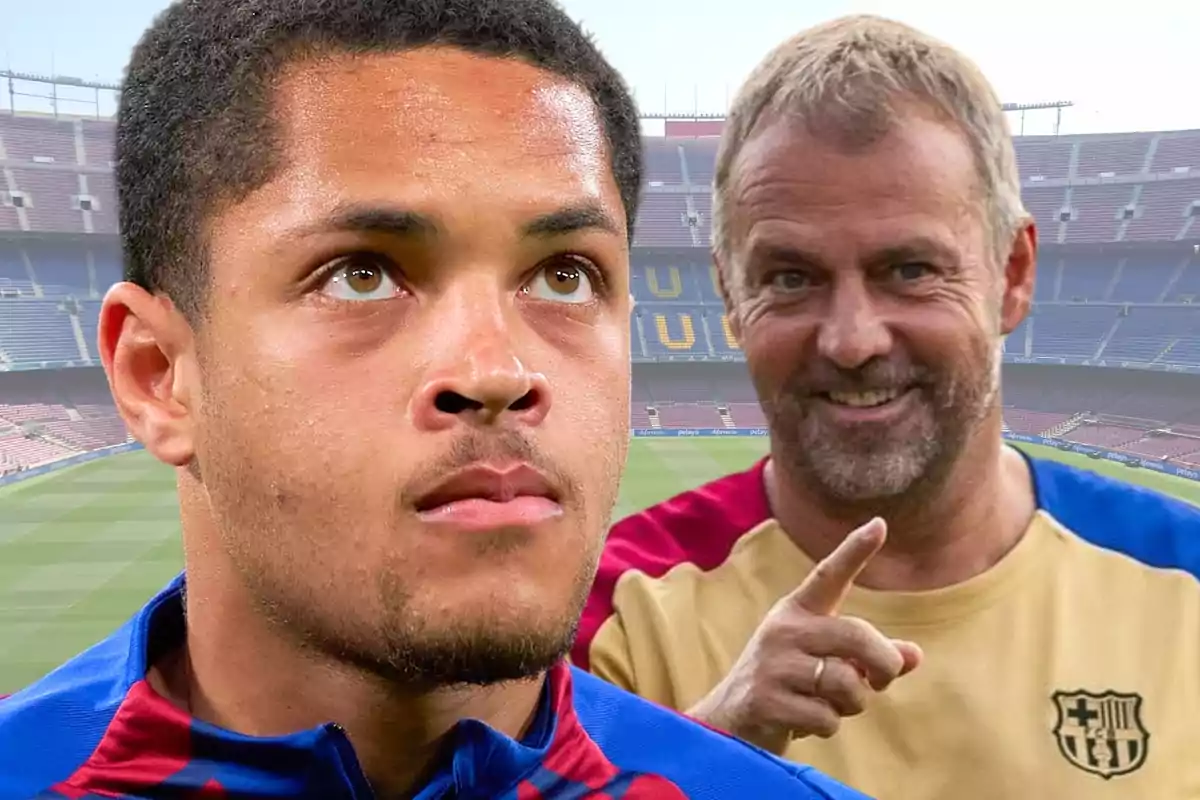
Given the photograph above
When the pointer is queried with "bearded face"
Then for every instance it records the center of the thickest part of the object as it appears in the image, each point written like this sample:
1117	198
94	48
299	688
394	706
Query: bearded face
864	287
876	432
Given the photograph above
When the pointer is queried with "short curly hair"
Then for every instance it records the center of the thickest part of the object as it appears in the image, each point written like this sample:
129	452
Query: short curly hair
195	128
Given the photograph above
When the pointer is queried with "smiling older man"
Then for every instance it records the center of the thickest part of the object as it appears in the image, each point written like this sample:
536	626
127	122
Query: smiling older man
873	252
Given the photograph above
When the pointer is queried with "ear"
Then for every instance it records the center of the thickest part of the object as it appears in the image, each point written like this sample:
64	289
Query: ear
1020	271
147	350
721	276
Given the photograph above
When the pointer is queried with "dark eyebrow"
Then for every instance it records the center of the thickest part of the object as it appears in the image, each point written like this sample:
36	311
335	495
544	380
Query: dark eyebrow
398	222
361	218
572	219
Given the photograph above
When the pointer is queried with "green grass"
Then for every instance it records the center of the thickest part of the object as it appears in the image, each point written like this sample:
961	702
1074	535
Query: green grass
83	548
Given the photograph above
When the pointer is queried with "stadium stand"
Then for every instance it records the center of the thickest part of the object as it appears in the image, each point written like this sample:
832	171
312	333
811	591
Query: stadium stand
1154	415
1110	355
46	415
1096	188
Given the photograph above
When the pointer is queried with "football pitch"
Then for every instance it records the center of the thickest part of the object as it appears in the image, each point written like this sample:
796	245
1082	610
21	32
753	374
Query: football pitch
81	549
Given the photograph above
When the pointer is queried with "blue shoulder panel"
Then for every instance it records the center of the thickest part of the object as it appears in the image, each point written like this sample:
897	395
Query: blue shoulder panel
49	729
52	727
1157	530
638	736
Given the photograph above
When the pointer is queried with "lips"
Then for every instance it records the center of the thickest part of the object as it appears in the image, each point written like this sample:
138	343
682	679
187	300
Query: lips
864	399
490	484
876	405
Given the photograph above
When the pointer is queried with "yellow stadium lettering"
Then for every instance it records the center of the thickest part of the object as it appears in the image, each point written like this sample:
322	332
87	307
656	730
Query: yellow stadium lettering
716	280
685	342
674	283
730	339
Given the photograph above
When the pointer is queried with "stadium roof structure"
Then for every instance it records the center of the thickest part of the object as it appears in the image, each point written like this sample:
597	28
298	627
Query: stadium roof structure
54	82
14	79
687	115
714	118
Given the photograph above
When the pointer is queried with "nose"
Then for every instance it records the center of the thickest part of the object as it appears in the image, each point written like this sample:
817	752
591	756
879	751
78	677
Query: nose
853	332
482	381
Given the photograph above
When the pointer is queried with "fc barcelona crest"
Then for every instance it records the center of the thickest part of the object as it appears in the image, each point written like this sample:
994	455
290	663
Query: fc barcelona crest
1101	733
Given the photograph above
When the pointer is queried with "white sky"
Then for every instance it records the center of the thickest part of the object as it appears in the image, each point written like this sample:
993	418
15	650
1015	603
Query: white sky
1130	68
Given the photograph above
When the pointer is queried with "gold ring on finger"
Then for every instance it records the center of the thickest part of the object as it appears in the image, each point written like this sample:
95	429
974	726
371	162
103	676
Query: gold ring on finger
818	672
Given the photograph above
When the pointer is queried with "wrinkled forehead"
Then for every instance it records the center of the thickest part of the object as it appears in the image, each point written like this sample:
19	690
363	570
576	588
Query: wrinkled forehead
918	179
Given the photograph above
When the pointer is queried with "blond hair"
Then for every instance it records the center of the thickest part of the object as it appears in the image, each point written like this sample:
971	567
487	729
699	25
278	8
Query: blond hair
848	81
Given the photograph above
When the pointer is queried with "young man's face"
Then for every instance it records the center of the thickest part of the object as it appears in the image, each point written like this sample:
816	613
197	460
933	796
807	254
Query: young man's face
436	279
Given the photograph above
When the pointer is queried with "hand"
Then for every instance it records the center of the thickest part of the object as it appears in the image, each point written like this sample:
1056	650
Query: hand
805	667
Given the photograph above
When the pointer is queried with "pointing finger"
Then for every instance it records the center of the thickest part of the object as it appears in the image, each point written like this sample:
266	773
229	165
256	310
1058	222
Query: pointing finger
826	586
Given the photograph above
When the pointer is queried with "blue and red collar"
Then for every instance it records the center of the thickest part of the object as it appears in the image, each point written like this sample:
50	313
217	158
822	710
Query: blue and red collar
150	744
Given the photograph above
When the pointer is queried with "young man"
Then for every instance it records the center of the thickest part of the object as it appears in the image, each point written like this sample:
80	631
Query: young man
874	252
377	318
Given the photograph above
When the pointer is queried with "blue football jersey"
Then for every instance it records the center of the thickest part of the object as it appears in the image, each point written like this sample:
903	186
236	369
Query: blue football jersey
94	728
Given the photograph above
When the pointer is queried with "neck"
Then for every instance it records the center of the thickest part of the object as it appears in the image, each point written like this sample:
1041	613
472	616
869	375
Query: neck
944	536
238	672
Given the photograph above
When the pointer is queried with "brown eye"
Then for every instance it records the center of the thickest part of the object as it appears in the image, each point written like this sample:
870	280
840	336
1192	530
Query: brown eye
364	280
562	281
361	280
